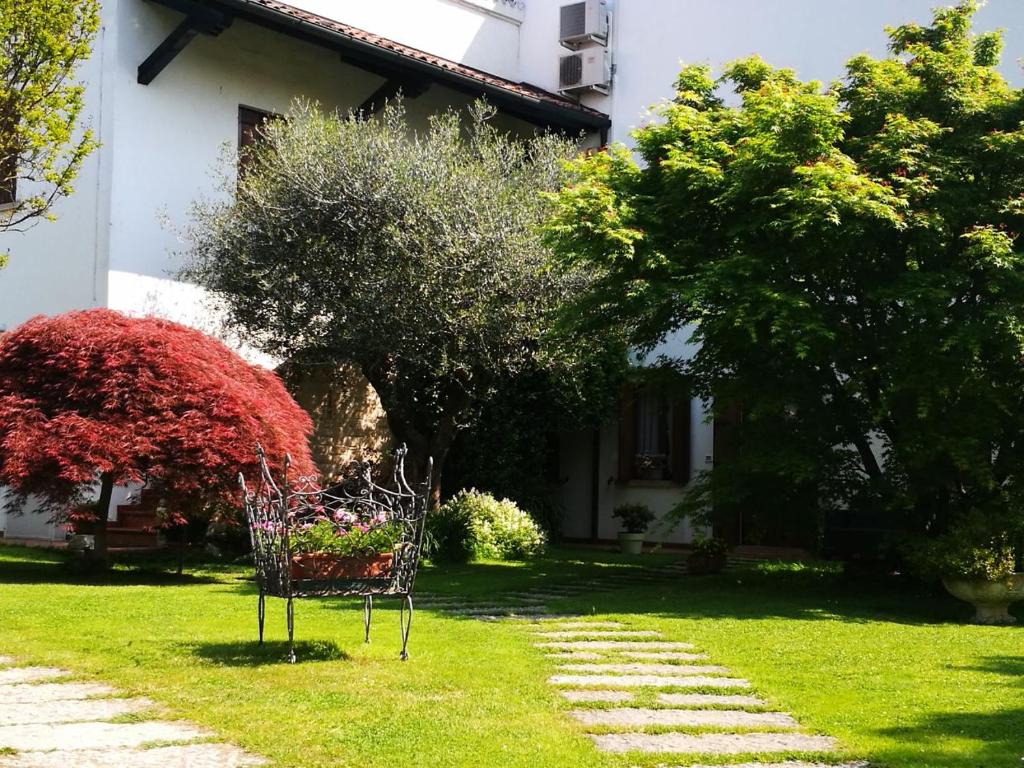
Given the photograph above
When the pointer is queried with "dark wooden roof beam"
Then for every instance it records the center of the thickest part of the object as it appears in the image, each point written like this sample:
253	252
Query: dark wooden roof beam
199	20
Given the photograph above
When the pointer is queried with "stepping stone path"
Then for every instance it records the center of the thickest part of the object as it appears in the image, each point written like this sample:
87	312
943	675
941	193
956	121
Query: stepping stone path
51	724
630	687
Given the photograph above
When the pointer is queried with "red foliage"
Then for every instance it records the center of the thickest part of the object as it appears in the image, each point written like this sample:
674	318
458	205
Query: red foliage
94	392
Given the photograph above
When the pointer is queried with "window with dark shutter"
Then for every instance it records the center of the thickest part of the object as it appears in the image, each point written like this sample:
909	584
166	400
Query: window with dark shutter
8	180
250	127
654	435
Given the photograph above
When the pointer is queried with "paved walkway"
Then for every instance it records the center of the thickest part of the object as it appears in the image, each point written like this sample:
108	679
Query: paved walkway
46	722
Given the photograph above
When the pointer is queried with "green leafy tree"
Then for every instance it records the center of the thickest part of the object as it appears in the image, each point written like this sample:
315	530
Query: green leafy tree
42	140
849	260
417	257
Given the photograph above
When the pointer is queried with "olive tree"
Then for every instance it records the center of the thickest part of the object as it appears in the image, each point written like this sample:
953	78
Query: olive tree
417	256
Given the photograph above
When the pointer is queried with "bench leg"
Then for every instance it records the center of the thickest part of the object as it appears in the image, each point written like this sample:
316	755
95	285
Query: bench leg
261	612
367	614
290	616
405	617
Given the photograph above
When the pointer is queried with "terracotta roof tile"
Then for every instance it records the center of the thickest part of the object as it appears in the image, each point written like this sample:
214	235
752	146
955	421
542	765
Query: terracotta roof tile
517	89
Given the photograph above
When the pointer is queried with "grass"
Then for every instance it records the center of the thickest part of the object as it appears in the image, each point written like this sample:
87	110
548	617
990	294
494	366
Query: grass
889	671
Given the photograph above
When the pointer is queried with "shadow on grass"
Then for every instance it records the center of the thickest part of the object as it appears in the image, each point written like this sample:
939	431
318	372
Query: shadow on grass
252	654
67	571
998	738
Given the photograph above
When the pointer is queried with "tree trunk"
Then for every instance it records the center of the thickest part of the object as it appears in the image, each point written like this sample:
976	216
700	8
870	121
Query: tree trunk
100	553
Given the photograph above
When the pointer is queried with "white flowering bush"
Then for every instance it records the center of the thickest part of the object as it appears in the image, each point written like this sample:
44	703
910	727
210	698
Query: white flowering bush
477	525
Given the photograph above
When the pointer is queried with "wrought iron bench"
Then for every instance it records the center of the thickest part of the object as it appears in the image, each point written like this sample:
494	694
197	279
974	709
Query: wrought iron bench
278	508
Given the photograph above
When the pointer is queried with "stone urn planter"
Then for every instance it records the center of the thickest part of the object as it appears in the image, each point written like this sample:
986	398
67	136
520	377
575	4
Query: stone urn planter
991	599
631	543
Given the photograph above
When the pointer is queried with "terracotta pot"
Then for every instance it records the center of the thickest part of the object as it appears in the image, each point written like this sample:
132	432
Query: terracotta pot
323	566
631	543
698	564
991	599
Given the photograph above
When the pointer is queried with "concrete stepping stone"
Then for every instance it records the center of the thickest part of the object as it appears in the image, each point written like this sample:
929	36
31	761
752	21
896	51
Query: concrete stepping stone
575	656
609	633
787	764
185	756
649	681
29	693
493	609
615	645
77	736
634	717
646	669
709	700
591	696
29	674
6	661
713	743
81	710
562	625
664	655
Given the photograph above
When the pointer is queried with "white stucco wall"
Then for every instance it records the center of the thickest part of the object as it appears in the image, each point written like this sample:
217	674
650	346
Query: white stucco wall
816	38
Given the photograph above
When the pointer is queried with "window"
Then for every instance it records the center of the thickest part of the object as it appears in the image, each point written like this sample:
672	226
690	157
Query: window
250	125
654	435
8	181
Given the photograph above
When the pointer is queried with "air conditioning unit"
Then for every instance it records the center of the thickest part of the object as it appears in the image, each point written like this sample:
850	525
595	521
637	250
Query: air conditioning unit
586	70
582	23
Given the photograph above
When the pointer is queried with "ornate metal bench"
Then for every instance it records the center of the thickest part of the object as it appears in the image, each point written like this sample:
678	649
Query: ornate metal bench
278	509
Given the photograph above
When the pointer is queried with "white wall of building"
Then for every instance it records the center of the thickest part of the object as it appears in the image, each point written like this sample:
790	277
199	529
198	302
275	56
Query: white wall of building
652	38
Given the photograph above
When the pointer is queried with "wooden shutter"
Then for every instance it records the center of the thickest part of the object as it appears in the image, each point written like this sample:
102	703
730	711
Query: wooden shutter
627	433
8	180
679	451
250	123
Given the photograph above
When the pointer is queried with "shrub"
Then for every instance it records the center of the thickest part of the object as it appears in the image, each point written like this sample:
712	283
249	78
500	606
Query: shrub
477	525
973	548
635	517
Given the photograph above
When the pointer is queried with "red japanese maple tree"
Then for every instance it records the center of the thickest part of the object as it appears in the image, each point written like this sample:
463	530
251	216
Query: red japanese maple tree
96	399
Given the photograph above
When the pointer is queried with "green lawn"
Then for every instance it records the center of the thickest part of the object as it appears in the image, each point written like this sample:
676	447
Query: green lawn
889	672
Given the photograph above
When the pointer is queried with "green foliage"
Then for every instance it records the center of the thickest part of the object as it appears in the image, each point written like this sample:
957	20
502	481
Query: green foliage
709	546
329	538
973	548
477	525
42	139
635	517
417	256
848	260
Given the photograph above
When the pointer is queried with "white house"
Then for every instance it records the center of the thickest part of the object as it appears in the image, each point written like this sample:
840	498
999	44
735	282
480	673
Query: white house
174	84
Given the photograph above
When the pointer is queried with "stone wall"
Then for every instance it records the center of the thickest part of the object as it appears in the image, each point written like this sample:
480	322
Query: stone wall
348	420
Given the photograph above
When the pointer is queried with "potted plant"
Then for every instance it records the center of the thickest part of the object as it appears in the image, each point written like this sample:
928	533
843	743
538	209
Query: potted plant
635	520
976	561
326	549
708	555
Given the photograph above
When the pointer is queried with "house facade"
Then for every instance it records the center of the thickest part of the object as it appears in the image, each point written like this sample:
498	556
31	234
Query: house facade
174	86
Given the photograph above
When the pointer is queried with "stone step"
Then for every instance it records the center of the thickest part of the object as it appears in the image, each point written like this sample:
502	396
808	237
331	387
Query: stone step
608	633
602	696
29	693
184	756
71	711
649	681
633	717
646	669
498	609
787	764
566	625
713	743
664	655
28	674
575	655
614	645
709	700
24	738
